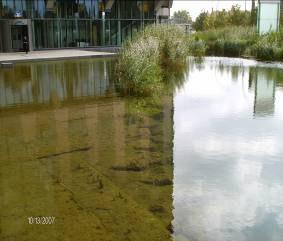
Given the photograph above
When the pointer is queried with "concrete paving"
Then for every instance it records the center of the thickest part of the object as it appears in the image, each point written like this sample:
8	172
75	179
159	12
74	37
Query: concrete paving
51	55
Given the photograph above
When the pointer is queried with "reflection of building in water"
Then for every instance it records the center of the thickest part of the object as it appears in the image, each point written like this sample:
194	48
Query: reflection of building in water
88	197
264	95
54	81
268	19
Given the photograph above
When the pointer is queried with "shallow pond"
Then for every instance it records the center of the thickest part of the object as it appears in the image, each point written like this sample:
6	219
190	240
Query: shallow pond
200	163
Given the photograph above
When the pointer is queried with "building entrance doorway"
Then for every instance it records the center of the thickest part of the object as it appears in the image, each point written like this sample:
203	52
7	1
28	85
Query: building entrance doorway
18	33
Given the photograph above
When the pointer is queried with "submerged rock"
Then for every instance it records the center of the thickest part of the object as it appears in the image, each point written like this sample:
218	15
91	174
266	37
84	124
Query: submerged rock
160	182
100	184
157	209
135	167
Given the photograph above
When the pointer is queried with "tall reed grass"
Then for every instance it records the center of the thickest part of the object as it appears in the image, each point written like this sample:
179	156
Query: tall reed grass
145	61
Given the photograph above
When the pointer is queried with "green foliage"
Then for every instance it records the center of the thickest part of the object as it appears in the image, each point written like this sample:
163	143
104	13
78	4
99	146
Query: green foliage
217	47
219	19
154	60
265	52
196	47
234	48
278	54
199	24
182	16
138	66
242	41
144	61
265	48
237	17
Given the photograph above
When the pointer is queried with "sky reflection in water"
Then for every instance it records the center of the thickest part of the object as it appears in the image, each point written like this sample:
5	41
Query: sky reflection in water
228	153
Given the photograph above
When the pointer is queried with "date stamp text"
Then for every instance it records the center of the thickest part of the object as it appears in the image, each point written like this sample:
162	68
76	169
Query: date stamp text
41	220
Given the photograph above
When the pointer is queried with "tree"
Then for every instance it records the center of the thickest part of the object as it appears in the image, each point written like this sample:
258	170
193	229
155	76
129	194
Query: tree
239	17
219	19
201	22
182	16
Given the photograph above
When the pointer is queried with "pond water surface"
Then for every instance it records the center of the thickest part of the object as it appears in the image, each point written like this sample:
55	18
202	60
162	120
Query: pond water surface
201	163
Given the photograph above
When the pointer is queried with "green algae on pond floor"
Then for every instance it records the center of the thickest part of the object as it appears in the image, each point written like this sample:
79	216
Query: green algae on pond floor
58	147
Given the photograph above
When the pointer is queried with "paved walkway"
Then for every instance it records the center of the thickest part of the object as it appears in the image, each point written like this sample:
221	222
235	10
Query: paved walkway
51	54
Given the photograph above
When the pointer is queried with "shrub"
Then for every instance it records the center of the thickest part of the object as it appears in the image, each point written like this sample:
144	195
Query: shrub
218	47
263	51
278	54
197	48
234	48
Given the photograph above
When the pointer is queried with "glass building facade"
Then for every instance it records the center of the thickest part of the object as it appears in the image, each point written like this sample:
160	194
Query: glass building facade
74	23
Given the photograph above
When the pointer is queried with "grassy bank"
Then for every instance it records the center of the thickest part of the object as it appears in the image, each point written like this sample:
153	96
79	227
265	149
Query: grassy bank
155	59
242	41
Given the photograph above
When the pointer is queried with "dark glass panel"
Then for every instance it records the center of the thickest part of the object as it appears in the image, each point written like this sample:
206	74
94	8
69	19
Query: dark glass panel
51	7
30	8
89	6
114	32
96	8
107	33
7	9
137	7
63	34
39	8
148	9
18	7
96	33
1	9
84	33
39	34
126	29
56	33
71	33
82	10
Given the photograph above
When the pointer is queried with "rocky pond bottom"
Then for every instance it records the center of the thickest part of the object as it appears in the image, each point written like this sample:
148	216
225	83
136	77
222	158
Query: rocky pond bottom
78	162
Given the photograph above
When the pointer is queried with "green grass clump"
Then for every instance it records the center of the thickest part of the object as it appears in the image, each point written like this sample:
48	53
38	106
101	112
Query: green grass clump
196	47
145	60
234	48
263	51
138	67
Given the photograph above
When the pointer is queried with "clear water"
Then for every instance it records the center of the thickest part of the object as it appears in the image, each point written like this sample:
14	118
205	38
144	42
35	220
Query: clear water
203	163
70	148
